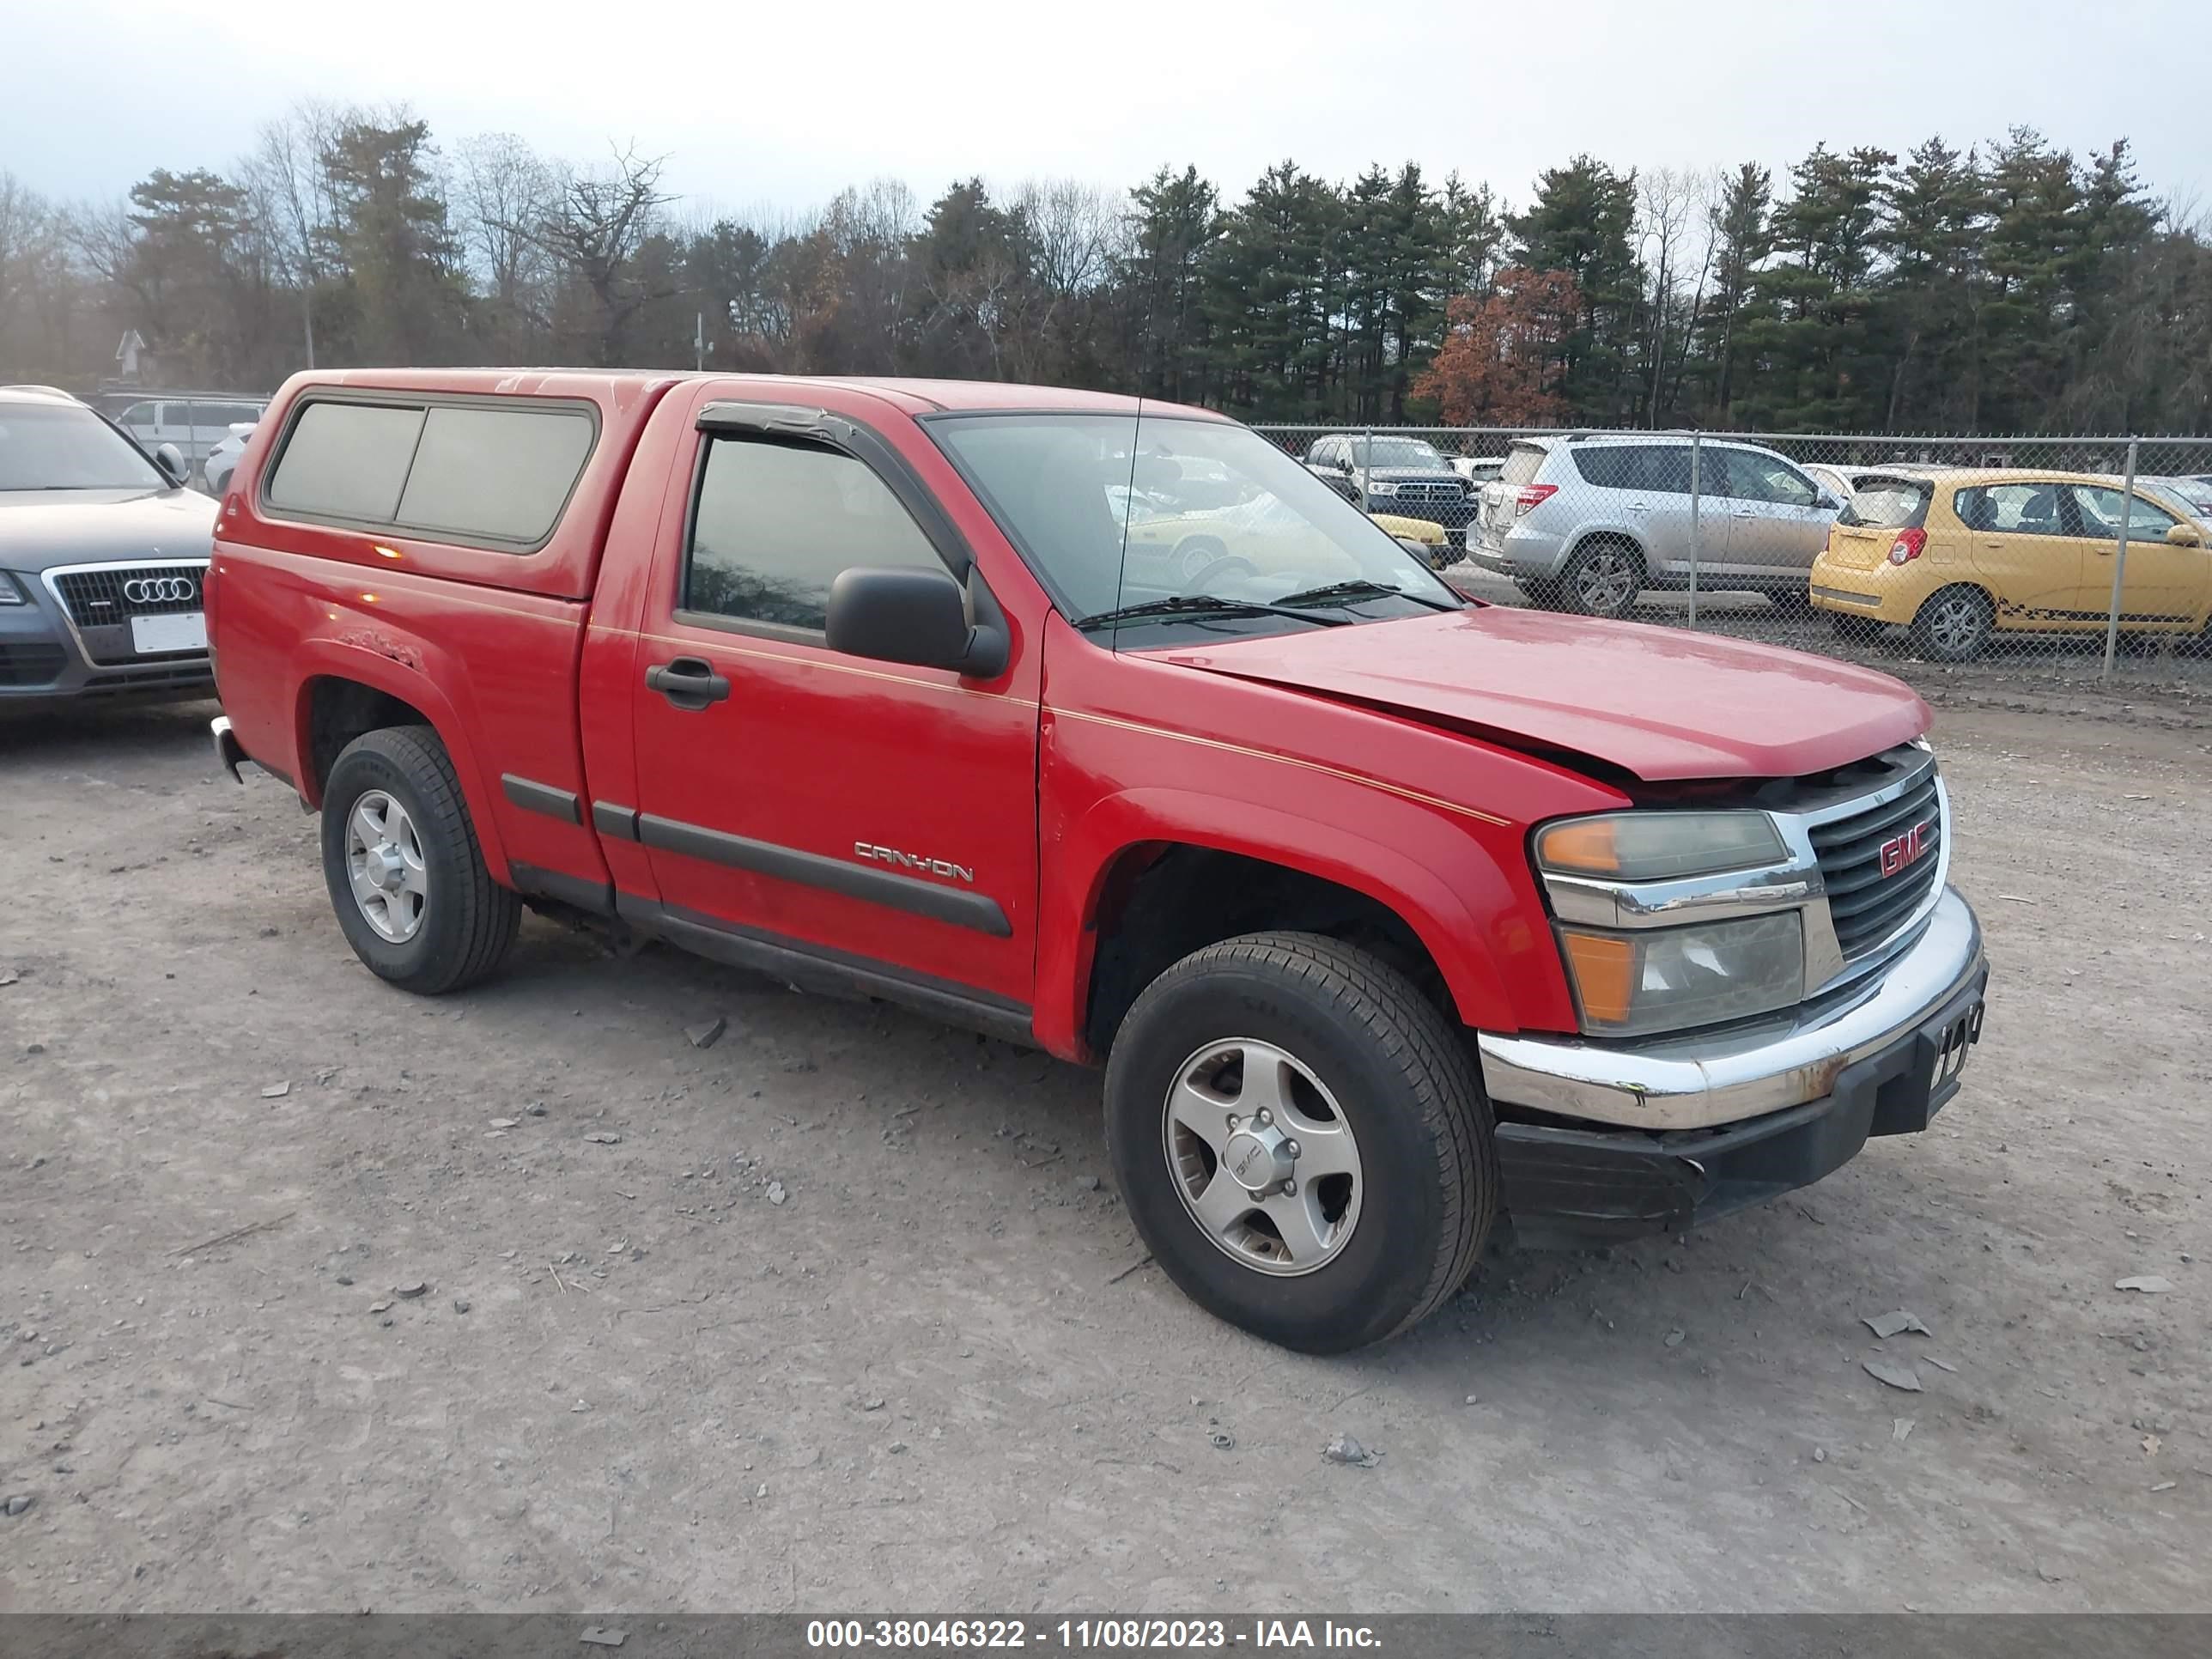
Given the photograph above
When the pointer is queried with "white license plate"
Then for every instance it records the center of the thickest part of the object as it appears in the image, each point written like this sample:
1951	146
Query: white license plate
185	631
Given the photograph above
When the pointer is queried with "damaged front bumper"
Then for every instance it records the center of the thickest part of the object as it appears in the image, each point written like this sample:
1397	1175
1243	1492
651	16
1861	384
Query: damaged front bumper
1601	1141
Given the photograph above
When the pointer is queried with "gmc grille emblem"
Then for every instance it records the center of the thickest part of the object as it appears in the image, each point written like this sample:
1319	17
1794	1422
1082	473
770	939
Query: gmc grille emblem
1900	851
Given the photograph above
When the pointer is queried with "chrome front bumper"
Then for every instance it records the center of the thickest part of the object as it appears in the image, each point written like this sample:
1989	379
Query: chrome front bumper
1695	1081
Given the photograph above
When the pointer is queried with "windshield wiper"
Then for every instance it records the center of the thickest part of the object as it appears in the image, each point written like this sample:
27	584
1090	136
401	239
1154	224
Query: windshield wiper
1205	605
1360	590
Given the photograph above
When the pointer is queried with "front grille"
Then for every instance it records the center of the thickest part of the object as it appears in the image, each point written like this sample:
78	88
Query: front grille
1865	905
99	598
1418	489
30	665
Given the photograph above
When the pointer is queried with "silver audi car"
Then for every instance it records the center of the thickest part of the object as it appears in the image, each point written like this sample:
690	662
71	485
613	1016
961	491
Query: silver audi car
103	557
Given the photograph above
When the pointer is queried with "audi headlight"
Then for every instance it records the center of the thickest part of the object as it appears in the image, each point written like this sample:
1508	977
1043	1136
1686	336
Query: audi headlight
1660	846
1666	979
10	594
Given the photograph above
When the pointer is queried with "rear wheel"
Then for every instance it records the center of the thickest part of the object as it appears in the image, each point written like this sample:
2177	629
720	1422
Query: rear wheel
405	873
1301	1139
1954	624
1603	578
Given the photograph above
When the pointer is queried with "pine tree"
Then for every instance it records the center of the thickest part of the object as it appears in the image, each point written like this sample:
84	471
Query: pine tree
2033	200
1176	220
1935	210
1742	238
393	243
1581	222
1810	319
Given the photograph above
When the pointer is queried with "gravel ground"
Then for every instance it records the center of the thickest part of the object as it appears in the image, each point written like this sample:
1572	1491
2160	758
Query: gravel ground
836	1314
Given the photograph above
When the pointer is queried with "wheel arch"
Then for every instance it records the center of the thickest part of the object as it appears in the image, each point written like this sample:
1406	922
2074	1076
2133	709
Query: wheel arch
344	693
1167	882
1590	534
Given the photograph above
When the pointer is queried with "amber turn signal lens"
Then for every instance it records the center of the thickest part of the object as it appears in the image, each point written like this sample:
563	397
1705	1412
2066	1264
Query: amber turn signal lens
1591	846
1604	976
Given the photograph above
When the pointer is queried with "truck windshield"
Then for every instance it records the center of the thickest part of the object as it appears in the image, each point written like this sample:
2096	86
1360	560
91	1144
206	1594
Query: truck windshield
1398	452
1117	513
66	446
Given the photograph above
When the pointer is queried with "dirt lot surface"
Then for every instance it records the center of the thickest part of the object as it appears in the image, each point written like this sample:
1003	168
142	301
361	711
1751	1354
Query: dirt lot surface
834	1314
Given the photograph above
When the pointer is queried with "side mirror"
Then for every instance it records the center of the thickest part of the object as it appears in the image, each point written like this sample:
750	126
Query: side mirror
903	614
1829	504
171	460
2184	535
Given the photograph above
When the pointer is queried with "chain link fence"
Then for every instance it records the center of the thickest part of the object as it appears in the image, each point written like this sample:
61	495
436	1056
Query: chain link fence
2077	558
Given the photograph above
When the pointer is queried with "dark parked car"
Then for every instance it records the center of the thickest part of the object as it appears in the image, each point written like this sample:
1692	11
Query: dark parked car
103	557
1406	476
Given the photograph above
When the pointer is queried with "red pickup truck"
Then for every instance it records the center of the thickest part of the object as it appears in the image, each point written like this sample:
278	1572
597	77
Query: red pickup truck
1102	725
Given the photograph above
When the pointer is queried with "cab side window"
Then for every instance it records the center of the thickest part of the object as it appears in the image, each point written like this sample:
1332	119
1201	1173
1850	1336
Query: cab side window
776	522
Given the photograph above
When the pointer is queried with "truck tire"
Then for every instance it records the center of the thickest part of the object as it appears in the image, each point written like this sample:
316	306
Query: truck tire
405	870
1603	577
1374	1118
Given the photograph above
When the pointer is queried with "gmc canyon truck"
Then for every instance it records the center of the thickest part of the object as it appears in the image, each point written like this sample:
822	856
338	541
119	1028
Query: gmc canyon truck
1395	919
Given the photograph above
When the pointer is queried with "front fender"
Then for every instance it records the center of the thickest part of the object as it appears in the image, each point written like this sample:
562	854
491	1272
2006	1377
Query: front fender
1454	895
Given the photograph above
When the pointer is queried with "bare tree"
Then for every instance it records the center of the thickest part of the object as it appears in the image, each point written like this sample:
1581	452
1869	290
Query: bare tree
289	190
593	226
39	285
1074	228
1665	198
502	188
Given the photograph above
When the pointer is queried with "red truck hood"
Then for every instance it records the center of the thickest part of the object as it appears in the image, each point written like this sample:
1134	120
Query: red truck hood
1661	703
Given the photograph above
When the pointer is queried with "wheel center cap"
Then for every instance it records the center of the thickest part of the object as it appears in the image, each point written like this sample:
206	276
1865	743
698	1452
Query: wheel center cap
385	867
1259	1158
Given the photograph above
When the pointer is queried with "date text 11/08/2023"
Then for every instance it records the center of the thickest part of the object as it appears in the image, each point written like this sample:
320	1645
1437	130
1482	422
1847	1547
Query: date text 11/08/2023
1086	1633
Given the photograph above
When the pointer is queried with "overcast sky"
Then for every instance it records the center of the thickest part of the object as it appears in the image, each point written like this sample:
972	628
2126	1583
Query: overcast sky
781	105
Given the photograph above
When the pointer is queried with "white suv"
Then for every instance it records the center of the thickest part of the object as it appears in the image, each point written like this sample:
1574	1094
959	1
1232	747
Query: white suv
1588	523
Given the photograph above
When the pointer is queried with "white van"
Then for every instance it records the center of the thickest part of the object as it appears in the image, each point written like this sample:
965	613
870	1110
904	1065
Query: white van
194	425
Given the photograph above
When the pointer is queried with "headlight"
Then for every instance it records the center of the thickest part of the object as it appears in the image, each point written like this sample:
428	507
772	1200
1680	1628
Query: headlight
1665	979
10	594
1660	846
1381	486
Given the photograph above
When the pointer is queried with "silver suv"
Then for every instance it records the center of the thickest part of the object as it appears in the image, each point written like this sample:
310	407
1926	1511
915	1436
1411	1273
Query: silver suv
1588	523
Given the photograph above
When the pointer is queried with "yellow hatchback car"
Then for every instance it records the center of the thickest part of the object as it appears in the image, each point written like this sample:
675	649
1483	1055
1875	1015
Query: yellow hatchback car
1957	557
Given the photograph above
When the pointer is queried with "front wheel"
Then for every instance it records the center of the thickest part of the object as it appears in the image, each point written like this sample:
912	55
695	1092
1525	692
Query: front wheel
1301	1139
405	871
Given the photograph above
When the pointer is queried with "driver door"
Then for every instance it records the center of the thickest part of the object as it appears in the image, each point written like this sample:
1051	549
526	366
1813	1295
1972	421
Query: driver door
862	811
2162	583
1776	525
